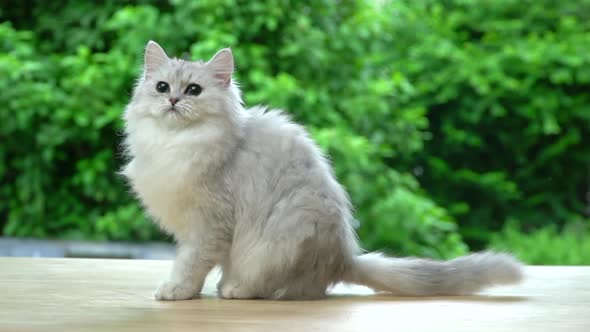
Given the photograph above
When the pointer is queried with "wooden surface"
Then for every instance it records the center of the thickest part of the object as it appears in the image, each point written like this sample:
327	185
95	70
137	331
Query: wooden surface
115	295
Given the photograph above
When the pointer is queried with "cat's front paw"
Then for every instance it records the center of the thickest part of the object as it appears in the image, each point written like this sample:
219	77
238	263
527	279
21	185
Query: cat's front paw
172	291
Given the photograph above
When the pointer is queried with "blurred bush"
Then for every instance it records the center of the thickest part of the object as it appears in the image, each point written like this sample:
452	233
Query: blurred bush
505	84
444	119
546	245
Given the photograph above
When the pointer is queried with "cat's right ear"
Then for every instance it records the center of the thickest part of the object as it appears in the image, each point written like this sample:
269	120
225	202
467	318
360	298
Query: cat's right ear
154	58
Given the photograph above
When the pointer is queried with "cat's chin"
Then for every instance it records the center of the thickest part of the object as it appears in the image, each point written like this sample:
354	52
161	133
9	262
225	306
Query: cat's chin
172	114
175	119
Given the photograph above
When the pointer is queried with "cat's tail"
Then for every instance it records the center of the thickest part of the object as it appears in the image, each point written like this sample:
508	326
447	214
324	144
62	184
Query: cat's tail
424	277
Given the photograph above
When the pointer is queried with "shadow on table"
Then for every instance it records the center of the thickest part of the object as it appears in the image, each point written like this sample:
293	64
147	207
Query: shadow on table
390	298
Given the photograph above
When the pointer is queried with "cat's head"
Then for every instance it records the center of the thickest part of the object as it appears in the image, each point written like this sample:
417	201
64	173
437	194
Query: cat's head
178	92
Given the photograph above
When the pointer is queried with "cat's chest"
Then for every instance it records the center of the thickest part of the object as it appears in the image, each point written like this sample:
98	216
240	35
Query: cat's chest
170	190
163	175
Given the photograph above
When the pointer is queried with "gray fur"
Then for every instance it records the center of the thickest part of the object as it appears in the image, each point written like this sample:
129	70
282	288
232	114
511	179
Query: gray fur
250	191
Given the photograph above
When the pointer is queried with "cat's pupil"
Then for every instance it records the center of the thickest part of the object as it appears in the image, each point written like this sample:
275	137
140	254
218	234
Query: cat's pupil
193	89
162	87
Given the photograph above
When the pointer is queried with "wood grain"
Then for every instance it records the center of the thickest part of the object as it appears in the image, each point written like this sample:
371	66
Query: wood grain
115	295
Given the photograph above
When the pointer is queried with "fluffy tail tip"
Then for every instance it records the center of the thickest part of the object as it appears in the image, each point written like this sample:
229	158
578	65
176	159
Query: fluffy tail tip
423	277
499	268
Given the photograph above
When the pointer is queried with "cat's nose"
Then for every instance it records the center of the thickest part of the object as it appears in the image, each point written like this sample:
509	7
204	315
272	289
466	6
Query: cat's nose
173	101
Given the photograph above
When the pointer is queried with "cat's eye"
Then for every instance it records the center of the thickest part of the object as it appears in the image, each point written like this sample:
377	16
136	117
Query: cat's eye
162	87
193	89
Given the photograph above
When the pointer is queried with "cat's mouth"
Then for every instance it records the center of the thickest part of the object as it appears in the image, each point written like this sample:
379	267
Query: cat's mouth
174	113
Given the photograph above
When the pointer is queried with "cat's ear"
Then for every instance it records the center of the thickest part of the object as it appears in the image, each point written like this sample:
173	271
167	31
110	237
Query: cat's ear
222	64
154	58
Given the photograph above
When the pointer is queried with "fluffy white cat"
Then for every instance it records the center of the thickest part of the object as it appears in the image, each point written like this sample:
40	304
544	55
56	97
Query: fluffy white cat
250	191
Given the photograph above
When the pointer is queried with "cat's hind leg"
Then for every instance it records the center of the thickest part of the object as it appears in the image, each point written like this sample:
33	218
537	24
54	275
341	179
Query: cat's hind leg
290	266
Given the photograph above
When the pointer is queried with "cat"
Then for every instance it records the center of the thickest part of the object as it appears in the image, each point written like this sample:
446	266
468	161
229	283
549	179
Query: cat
249	191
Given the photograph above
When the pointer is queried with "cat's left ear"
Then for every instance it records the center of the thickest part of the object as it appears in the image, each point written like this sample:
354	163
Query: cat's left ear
154	58
222	63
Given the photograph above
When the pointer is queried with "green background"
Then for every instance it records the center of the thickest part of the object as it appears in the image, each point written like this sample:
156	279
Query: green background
455	125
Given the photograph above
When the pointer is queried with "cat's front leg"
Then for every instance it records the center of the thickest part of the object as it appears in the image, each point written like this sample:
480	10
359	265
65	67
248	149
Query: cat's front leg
187	277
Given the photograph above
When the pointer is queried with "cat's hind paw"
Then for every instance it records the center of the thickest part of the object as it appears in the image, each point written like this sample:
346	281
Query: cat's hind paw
172	291
229	290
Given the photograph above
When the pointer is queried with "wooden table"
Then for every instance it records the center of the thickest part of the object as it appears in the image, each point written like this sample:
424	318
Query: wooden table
116	295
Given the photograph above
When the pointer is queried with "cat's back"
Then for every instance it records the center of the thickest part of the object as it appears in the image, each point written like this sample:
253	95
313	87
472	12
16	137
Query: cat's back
277	158
263	122
272	135
284	187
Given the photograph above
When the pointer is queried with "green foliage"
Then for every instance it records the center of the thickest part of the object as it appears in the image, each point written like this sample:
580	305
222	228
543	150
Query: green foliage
443	119
547	245
503	82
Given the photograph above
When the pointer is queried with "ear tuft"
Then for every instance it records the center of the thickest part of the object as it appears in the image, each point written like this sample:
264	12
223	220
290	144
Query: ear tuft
154	58
222	63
